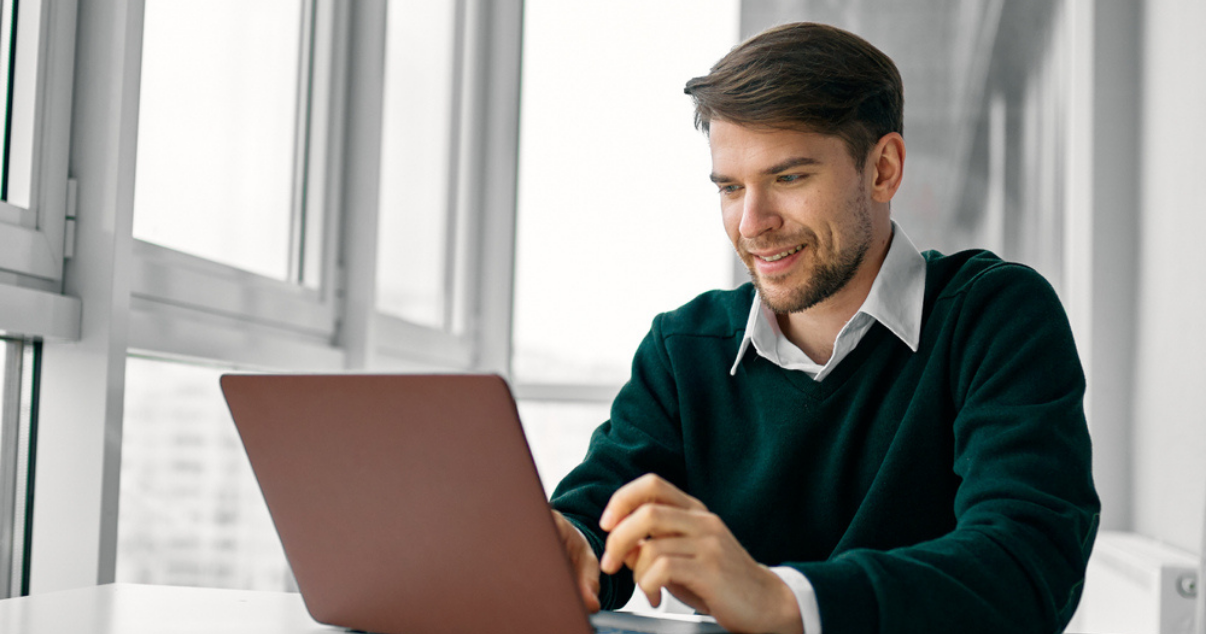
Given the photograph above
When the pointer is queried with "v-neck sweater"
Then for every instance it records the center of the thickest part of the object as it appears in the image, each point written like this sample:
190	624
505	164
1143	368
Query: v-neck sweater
947	489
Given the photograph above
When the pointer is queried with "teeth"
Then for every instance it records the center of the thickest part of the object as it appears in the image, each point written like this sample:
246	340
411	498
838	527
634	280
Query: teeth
782	255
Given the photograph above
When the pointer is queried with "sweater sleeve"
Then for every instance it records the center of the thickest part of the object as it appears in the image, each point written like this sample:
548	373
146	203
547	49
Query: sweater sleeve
1026	510
643	436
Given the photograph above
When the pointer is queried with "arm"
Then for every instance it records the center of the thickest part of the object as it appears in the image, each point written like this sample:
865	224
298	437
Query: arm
643	436
615	505
1026	510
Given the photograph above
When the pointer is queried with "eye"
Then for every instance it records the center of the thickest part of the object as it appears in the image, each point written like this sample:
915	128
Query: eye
729	189
790	178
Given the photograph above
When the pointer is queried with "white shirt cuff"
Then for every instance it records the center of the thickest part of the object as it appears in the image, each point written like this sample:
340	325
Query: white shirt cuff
806	597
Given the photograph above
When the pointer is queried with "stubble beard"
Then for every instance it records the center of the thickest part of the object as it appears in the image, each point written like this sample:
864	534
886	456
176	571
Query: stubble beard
828	277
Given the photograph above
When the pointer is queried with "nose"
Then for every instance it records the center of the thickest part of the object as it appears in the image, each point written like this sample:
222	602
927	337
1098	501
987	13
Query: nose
758	214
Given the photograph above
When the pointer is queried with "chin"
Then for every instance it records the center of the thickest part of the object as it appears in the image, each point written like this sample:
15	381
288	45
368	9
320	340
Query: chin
775	296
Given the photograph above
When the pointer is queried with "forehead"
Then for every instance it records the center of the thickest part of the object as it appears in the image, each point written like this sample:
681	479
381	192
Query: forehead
736	146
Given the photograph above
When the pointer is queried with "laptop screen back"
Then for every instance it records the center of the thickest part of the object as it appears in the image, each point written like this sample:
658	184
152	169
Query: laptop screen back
407	503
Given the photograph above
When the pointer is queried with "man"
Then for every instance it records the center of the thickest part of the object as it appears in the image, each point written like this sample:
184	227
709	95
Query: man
865	439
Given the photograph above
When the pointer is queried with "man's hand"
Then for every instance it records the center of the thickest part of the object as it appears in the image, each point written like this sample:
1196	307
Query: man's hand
586	565
670	540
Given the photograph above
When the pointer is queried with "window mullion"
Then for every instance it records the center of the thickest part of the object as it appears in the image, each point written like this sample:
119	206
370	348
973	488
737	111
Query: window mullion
301	151
453	255
358	199
10	410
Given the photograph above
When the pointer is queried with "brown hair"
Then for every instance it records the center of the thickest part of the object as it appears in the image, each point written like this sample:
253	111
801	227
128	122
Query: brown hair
805	76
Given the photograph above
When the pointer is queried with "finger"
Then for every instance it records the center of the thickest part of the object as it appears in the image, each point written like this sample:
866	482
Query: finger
649	488
669	572
652	549
651	520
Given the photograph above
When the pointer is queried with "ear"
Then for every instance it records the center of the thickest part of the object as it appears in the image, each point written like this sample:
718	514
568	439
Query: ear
886	161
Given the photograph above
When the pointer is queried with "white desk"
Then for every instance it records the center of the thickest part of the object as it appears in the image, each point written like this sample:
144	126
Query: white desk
136	609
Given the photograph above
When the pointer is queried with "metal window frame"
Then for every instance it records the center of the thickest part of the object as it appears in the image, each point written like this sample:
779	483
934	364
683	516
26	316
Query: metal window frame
9	413
144	299
7	29
475	333
18	442
401	342
178	297
32	237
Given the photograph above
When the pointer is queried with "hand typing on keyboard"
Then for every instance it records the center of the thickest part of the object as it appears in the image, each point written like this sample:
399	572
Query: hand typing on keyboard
586	565
670	540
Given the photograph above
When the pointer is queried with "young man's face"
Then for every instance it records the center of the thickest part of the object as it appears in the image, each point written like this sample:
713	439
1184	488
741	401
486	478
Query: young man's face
795	208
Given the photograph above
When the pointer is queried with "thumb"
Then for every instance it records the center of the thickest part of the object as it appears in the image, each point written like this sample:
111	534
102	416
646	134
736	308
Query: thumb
588	580
583	559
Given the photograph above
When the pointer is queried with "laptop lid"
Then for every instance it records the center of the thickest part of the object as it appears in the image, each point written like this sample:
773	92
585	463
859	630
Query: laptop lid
407	503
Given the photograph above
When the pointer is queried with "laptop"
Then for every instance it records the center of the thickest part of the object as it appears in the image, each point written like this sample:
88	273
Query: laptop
410	504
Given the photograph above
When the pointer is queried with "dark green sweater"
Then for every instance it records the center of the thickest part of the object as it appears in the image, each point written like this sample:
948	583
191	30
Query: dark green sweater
946	490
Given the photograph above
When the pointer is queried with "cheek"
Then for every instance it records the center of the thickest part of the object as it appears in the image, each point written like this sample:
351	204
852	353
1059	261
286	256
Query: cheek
730	215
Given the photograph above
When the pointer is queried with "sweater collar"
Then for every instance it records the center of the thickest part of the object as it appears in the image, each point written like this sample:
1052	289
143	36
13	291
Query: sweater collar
896	300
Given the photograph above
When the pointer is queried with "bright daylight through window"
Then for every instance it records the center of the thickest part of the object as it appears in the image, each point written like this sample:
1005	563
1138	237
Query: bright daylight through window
191	511
217	133
617	218
416	258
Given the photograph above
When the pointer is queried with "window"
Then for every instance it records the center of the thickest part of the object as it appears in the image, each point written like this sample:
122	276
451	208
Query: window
8	45
36	51
617	218
218	143
17	383
16	103
558	434
232	199
431	177
191	511
417	254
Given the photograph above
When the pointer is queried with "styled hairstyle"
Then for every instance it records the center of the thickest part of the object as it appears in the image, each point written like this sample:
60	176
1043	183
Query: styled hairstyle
805	76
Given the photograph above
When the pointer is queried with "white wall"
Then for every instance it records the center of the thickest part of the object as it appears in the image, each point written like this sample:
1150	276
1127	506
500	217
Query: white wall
1170	389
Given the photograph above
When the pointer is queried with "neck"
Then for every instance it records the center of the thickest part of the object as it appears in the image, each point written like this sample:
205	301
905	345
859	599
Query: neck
815	329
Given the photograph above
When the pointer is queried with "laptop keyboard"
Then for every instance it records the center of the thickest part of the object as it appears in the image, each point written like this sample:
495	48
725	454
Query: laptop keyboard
615	630
626	623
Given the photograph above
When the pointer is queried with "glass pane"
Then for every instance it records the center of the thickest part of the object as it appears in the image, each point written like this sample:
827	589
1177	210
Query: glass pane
216	130
558	434
617	218
8	469
17	367
191	511
8	40
20	48
413	266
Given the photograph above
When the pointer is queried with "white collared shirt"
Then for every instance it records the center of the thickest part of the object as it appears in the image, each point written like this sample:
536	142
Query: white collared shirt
896	300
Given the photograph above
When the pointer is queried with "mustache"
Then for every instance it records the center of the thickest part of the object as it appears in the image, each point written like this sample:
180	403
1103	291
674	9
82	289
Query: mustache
779	242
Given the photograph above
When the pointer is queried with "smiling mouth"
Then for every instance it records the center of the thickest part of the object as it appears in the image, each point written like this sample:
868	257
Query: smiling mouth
780	256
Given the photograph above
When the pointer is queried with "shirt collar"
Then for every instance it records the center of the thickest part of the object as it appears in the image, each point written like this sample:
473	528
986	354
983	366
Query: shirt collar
896	299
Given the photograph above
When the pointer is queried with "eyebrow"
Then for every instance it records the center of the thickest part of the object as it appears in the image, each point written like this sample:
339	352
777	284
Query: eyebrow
774	169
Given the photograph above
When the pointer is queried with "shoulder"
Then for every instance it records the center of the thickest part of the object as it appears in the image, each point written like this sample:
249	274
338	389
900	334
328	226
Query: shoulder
976	300
718	314
980	273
